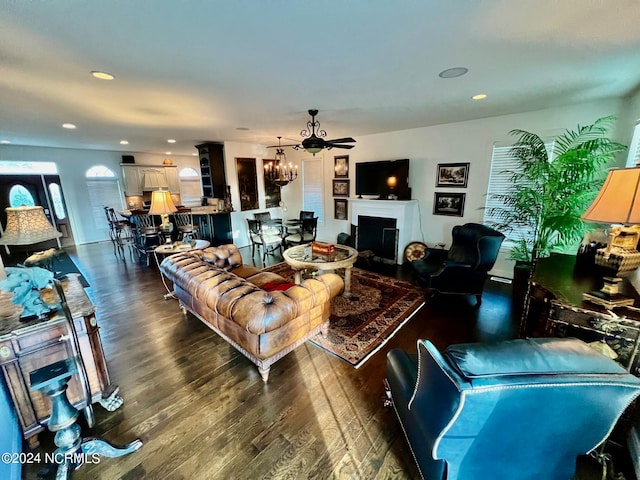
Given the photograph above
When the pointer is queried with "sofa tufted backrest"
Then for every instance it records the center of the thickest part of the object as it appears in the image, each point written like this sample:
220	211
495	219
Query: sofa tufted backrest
226	256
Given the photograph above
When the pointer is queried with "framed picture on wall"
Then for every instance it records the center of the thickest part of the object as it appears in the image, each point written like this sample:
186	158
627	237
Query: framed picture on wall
247	183
340	209
341	166
341	188
451	204
452	175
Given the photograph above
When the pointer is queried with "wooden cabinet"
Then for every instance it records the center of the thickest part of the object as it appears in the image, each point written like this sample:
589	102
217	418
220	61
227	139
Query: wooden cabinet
173	182
212	169
27	346
131	180
140	178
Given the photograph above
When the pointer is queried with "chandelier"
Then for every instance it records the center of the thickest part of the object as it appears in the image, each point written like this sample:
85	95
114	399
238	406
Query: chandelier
278	171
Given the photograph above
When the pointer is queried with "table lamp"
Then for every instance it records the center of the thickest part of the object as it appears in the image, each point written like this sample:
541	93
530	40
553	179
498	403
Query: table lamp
618	203
26	226
162	204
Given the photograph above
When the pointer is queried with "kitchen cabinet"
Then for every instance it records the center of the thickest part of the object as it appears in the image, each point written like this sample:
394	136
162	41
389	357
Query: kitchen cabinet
162	176
173	182
212	169
131	180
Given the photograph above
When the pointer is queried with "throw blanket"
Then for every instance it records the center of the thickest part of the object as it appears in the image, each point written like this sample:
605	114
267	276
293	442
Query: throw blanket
25	284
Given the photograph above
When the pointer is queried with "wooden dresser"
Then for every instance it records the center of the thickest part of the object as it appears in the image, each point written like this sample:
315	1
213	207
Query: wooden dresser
26	346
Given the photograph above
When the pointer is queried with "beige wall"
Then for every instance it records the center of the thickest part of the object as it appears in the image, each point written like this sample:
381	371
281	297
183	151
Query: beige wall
470	141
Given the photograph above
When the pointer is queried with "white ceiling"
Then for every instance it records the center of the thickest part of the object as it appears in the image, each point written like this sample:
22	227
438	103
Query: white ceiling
197	70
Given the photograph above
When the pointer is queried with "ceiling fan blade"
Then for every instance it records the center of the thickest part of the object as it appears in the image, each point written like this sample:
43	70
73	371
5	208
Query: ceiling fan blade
280	146
340	140
340	146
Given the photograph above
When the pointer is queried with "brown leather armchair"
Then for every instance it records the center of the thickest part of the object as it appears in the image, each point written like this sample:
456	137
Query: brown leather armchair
463	269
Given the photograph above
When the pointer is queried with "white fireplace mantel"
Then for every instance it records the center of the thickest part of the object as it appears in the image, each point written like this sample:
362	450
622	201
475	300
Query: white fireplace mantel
404	211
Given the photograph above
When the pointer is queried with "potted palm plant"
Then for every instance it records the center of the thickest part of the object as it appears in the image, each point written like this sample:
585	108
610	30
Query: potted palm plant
549	192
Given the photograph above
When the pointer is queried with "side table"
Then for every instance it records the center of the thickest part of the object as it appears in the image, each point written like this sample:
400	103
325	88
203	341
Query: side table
171	249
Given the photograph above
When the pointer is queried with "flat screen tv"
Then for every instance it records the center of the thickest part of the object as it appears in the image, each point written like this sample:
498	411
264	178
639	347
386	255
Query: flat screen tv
383	179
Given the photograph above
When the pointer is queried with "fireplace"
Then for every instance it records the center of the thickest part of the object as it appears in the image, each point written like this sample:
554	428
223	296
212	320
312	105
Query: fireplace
388	226
378	235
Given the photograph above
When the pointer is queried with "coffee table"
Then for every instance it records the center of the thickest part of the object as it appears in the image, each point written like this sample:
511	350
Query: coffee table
299	259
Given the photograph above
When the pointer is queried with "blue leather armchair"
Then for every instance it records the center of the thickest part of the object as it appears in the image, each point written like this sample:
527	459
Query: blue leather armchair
463	269
520	409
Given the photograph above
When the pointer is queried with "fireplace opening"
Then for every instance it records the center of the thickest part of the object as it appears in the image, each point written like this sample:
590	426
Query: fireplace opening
377	235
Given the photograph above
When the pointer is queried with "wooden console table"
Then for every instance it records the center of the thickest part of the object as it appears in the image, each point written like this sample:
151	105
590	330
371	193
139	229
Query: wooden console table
27	346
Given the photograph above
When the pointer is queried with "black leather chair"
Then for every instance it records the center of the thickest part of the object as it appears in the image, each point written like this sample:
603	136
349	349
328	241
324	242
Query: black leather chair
463	269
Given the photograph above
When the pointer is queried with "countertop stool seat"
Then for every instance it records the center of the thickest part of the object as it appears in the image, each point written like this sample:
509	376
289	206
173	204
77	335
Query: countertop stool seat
72	448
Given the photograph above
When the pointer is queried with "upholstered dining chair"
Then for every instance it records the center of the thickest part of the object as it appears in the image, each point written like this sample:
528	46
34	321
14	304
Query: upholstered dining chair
464	268
268	240
291	229
262	216
306	234
520	409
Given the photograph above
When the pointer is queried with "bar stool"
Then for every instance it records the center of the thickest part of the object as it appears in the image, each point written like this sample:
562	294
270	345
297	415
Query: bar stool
73	450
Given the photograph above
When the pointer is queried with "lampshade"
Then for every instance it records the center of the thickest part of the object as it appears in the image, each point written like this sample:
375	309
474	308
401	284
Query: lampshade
618	200
26	226
161	203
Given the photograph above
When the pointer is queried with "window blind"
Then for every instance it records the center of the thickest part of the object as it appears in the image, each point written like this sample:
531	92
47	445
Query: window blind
503	164
312	187
633	156
103	193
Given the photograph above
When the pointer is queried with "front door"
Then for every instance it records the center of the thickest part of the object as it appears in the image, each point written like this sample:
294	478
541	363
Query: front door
59	212
36	190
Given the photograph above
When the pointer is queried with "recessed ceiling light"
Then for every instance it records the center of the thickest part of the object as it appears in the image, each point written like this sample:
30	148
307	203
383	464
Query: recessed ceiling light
69	126
479	96
5	142
167	153
244	129
102	75
171	140
124	142
453	72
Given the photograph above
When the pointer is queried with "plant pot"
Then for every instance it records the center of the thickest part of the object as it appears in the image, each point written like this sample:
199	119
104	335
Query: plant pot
521	273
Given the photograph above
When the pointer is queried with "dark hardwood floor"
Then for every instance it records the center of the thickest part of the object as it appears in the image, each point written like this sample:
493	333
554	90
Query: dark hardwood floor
203	412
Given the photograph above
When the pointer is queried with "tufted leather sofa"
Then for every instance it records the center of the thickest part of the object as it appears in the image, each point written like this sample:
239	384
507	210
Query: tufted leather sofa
232	299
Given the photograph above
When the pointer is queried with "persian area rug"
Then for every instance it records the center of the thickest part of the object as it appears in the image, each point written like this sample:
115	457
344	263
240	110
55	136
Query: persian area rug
379	306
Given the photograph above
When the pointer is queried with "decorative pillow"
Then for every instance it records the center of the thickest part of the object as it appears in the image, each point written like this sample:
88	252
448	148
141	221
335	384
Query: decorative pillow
271	286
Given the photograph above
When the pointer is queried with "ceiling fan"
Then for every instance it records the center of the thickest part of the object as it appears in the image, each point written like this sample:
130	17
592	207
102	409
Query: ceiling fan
314	140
